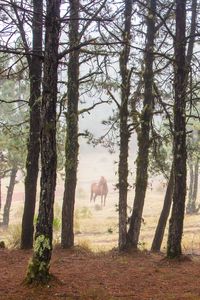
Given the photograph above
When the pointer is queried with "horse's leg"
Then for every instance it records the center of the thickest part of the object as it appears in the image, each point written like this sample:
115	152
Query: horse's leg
95	195
91	196
105	200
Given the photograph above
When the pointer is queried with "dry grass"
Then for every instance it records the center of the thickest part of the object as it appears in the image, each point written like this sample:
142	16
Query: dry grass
98	228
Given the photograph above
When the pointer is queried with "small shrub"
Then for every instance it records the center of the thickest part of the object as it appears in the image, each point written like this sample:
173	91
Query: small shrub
85	245
84	213
77	222
14	236
142	246
110	230
2	245
56	224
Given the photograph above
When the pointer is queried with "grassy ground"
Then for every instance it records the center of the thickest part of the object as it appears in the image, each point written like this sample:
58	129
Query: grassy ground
97	227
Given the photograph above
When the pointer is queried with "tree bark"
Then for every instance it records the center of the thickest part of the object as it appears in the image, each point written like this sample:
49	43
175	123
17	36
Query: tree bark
6	213
0	194
156	245
192	207
38	270
179	145
71	145
160	230
35	72
124	131
144	134
196	179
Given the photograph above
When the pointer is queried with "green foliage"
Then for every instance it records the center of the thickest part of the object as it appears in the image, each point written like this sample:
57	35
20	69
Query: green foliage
13	127
56	219
41	244
160	154
38	271
56	224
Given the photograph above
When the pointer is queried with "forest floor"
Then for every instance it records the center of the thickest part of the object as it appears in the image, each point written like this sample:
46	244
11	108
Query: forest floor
93	270
81	274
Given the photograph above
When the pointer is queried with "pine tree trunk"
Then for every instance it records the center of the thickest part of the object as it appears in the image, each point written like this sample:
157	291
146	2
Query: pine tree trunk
179	151
38	270
72	146
6	213
196	179
124	132
35	72
144	134
190	209
0	194
160	230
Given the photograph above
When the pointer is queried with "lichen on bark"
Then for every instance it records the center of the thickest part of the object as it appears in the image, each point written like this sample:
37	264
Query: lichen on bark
38	268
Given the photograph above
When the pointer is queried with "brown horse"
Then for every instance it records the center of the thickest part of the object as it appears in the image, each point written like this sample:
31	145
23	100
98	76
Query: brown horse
99	189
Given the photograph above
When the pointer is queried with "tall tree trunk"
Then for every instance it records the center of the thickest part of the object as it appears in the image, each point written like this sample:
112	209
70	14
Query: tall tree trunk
162	222
191	167
193	187
35	72
124	131
71	146
196	179
39	266
160	229
6	213
144	134
0	194
179	151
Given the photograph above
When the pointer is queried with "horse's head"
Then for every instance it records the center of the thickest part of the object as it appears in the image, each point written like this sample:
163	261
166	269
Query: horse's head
102	181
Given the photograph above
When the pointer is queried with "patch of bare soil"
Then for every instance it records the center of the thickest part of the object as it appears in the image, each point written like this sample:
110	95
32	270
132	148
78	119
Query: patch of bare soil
106	276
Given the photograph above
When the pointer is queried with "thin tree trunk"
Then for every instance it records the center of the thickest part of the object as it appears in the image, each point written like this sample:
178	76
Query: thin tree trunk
156	246
35	72
6	213
71	146
196	177
179	151
124	131
0	194
38	270
190	209
144	134
160	230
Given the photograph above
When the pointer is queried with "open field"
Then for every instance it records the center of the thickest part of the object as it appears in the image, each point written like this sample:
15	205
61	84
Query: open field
92	270
97	228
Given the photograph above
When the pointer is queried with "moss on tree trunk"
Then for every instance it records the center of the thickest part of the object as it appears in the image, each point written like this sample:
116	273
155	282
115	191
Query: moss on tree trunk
144	133
38	269
124	131
179	151
32	161
72	146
